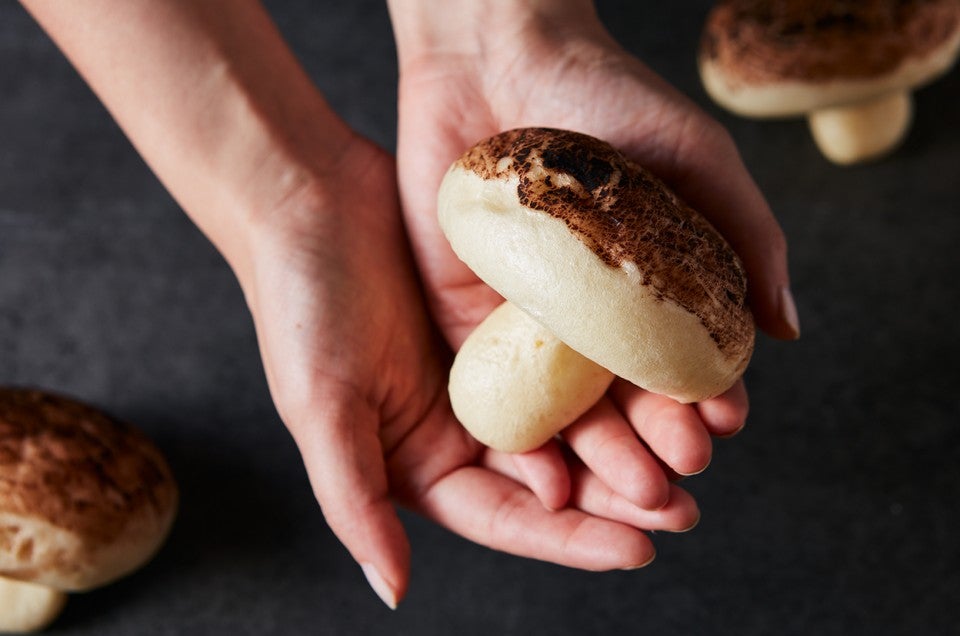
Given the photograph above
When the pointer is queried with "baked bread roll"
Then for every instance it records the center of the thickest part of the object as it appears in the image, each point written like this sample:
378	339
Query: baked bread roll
84	500
601	255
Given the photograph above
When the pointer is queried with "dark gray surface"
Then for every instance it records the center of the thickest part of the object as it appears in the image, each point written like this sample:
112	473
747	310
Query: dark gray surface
834	512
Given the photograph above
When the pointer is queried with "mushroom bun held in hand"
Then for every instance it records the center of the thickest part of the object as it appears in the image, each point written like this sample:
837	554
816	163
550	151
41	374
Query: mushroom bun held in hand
84	500
605	273
849	67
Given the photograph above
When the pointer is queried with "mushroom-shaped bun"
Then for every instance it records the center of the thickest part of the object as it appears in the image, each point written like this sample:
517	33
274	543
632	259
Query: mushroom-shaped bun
848	65
84	500
605	273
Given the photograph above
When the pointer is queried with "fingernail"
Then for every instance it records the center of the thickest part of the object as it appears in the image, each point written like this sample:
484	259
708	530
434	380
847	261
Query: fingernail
379	585
642	565
698	471
691	526
788	311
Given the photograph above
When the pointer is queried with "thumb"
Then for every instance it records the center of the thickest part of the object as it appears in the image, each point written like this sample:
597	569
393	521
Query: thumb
343	456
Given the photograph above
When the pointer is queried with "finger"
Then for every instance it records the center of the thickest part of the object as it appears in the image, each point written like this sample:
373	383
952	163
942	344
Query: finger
595	497
591	495
344	461
726	415
674	432
609	447
496	511
545	473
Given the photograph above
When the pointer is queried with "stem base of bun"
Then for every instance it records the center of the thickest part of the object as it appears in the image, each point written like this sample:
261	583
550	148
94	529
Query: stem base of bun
28	607
514	385
862	131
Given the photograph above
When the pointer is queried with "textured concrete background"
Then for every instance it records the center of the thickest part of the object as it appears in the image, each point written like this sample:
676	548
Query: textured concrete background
835	511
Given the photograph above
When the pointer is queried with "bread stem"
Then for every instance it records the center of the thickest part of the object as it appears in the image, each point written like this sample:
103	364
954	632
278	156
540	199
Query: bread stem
28	607
514	384
865	130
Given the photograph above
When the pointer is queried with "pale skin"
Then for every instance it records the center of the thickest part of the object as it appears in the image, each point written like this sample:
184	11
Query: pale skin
308	216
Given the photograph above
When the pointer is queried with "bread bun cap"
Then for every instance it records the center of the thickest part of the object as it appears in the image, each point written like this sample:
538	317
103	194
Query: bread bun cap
782	58
84	498
605	256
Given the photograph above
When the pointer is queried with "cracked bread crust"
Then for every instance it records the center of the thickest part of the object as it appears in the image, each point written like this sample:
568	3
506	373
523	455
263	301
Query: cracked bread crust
624	215
84	498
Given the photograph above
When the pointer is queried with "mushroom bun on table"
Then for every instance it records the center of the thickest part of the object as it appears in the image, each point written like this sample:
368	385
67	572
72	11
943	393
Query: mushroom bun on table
84	500
849	66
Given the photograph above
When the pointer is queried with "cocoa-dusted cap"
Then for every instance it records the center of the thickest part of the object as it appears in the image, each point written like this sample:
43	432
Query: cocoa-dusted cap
762	41
624	215
784	58
84	498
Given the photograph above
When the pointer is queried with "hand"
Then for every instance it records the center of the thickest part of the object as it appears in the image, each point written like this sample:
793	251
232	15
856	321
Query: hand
470	71
359	376
306	214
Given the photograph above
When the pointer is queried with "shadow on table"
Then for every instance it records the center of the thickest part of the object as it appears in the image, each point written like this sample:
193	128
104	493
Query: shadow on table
243	513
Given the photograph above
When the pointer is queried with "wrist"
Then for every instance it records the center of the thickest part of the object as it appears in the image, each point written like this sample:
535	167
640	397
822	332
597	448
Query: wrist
328	208
239	186
480	27
293	199
213	99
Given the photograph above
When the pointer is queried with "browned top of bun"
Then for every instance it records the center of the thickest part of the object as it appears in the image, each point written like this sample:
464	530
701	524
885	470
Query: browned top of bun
823	40
624	215
72	466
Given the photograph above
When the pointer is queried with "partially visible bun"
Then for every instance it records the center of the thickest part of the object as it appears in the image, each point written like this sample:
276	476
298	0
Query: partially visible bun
84	498
783	58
